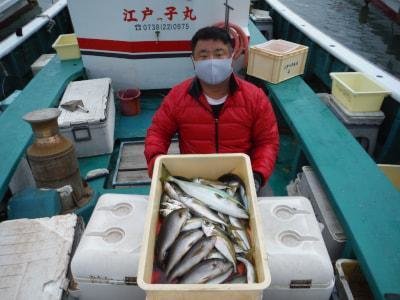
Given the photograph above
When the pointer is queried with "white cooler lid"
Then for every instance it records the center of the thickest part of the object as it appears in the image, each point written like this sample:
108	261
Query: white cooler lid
94	95
110	246
297	254
34	257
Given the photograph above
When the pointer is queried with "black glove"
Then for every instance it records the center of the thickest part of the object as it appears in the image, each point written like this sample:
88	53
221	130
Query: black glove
257	181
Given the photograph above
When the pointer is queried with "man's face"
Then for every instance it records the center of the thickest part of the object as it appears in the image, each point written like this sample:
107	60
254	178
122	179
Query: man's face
211	49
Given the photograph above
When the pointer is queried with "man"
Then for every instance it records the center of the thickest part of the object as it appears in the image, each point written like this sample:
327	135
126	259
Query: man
216	111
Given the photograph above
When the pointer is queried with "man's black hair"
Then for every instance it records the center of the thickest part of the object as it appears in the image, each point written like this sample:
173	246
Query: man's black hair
211	33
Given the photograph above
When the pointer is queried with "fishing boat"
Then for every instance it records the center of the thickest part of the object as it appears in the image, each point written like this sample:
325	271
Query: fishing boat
10	7
19	52
365	201
391	8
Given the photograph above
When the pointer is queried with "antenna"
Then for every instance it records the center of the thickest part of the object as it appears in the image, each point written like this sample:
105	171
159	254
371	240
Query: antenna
227	9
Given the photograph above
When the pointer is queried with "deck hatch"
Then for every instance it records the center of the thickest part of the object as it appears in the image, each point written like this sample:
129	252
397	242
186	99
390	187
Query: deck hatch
131	167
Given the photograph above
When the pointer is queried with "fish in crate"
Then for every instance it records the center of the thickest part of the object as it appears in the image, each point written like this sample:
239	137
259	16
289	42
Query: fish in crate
203	236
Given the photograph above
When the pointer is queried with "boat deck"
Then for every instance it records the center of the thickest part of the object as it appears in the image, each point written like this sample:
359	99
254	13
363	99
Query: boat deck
365	201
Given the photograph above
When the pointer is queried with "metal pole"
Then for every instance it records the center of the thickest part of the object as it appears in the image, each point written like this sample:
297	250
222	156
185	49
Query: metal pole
227	8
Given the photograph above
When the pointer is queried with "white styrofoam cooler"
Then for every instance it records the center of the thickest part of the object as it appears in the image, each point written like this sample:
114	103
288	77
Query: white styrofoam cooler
34	257
106	261
298	260
145	43
91	133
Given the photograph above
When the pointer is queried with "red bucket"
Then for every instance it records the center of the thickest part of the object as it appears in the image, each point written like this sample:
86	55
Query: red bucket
129	101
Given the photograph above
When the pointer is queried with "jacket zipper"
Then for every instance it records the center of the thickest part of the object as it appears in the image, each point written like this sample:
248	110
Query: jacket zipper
216	135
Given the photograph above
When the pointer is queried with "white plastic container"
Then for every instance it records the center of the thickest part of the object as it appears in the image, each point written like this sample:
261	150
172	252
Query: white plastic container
92	133
105	264
332	232
298	260
34	257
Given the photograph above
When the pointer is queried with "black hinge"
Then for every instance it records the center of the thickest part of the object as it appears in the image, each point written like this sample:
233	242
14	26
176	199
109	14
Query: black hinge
130	280
300	284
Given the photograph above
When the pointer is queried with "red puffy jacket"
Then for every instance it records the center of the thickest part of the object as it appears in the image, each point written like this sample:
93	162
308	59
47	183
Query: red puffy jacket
246	124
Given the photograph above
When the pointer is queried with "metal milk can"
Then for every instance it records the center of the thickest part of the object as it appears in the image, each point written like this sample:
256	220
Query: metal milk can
52	157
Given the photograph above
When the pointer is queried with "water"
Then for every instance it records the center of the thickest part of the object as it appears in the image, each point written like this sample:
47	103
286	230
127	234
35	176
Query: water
26	17
365	30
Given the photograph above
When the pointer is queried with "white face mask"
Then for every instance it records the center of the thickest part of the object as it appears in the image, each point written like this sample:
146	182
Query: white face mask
213	71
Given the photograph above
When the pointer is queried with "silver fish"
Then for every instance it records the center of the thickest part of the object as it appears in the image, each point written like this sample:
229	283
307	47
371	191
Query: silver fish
250	272
221	278
165	212
170	206
181	246
213	198
223	217
201	210
232	180
171	192
231	192
243	197
237	279
165	198
169	231
240	233
239	249
177	203
193	257
206	270
193	223
222	244
215	184
215	254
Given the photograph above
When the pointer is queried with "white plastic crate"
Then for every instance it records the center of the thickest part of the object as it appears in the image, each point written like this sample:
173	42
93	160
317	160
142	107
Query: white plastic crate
91	133
105	264
298	260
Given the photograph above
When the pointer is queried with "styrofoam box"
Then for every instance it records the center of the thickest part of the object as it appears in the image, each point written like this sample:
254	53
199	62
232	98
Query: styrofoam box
210	166
91	133
333	233
298	260
41	62
34	257
105	264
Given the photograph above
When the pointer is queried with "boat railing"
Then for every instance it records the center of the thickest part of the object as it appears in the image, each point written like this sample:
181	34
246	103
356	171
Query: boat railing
365	201
13	41
347	56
